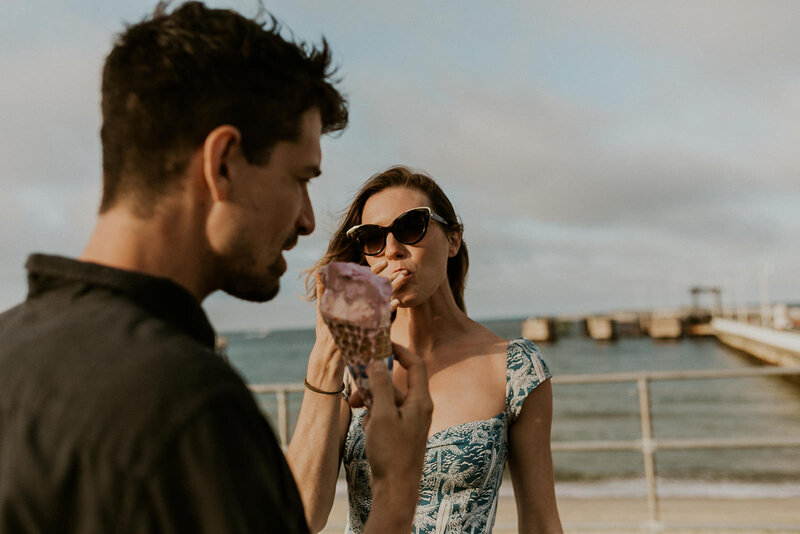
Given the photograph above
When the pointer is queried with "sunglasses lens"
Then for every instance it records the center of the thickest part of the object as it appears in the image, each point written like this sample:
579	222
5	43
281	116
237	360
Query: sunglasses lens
371	239
410	227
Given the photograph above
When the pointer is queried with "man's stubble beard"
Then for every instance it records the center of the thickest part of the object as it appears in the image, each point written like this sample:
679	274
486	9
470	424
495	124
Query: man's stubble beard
254	287
246	283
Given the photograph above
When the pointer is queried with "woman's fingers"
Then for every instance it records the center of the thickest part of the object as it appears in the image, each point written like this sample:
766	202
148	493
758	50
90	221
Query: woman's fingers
355	400
398	279
380	266
319	284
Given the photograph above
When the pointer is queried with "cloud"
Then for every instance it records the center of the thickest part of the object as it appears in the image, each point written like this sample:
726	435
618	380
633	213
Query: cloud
575	201
601	155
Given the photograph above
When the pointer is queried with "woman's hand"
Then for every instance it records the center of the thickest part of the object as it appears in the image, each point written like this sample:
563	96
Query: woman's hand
325	364
397	279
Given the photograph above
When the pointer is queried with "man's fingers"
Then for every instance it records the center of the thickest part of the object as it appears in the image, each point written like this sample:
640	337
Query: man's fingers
399	397
395	304
416	369
403	356
407	359
355	400
381	388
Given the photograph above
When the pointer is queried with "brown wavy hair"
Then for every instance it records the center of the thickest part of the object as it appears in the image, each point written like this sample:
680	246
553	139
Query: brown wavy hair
174	77
342	248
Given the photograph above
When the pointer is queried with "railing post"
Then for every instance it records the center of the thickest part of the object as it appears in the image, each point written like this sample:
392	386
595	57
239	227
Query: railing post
283	418
648	452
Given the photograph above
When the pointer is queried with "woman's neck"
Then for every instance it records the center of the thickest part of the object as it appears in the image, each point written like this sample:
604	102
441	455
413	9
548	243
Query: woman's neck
431	324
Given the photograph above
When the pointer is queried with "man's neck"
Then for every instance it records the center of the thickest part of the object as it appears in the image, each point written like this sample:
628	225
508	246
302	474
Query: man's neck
167	244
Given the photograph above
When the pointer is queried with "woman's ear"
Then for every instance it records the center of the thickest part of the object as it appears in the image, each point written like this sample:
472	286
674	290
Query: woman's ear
219	149
454	241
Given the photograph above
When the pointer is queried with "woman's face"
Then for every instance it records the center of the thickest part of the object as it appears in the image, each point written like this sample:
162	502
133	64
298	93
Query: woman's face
424	263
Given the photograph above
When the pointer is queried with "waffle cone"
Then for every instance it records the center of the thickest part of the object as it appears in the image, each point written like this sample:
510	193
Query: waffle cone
359	345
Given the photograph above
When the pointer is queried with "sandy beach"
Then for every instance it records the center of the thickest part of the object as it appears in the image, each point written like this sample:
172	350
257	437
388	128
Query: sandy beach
630	515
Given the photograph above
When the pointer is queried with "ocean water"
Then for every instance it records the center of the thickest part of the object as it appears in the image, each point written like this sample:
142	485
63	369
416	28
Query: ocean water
763	407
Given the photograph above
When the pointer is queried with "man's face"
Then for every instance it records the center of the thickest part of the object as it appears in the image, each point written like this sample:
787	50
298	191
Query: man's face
267	210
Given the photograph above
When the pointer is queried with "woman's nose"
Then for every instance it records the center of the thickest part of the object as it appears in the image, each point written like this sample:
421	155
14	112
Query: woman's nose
394	248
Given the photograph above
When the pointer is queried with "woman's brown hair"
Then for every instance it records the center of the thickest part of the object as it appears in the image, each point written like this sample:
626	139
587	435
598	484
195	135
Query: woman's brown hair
342	248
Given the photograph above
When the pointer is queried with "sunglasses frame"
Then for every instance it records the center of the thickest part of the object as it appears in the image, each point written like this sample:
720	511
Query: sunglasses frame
386	230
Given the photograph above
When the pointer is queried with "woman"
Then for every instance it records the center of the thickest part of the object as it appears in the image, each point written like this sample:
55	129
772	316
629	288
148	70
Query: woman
492	398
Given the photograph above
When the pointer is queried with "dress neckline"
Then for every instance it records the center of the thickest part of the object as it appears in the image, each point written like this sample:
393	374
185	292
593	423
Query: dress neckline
479	421
436	434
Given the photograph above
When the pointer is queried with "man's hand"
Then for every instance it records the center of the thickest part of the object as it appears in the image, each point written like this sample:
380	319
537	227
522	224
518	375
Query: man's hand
397	435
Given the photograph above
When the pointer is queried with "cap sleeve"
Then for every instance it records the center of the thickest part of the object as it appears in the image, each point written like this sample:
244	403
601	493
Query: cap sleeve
525	369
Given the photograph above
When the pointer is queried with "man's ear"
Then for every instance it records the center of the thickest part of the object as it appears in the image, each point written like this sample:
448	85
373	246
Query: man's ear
220	148
454	240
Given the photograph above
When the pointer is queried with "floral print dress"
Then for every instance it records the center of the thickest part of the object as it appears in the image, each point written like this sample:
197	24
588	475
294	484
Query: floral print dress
464	464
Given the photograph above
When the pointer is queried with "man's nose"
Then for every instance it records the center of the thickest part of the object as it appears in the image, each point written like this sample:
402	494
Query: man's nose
305	220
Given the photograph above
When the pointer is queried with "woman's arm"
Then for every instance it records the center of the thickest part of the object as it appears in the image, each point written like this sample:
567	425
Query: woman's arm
531	464
314	453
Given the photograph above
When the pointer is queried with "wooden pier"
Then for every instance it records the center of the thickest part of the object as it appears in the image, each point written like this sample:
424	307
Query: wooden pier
541	329
771	346
769	333
665	327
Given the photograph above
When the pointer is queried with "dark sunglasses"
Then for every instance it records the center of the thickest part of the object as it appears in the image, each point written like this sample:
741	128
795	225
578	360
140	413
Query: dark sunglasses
409	228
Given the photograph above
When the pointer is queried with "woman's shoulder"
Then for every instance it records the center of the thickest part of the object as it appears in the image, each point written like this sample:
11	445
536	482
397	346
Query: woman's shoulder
487	341
525	370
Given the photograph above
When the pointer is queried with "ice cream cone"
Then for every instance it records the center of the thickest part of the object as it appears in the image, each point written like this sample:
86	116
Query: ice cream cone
359	346
355	306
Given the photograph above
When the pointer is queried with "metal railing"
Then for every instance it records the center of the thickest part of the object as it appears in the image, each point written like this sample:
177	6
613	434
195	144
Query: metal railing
648	445
281	392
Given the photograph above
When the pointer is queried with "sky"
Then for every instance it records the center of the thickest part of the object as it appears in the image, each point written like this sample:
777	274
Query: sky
602	155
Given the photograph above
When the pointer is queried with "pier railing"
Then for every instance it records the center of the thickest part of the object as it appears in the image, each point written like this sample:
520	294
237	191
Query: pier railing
281	392
648	444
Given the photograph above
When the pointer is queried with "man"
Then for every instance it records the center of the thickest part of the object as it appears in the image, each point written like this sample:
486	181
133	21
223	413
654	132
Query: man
115	413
